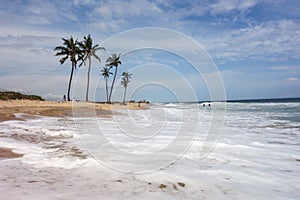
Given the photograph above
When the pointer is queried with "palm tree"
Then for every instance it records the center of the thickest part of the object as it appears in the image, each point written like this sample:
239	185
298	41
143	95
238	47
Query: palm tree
113	61
105	73
72	51
89	50
125	81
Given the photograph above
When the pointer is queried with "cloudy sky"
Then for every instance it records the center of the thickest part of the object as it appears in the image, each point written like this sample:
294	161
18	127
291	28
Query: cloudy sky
255	45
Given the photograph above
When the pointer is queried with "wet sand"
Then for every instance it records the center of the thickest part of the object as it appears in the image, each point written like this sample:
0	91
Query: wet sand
8	109
6	153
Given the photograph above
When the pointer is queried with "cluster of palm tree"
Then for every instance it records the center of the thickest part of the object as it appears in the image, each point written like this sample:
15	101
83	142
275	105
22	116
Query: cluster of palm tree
81	51
125	80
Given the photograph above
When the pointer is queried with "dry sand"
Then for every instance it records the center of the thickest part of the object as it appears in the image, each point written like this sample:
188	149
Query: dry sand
49	108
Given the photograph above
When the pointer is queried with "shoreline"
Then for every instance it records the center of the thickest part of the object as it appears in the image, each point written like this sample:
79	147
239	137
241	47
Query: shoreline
9	108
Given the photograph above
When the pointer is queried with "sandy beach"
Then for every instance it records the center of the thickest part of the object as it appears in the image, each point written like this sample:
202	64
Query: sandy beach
8	109
50	108
75	154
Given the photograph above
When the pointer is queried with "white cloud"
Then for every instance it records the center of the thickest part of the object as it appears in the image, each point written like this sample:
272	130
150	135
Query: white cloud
52	97
35	84
124	9
27	41
292	79
282	68
108	27
269	41
224	6
37	13
21	90
115	16
19	31
83	2
22	61
31	52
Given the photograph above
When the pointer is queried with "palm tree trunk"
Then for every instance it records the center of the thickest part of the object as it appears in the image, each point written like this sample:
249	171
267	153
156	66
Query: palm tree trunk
70	80
106	90
88	81
124	95
112	84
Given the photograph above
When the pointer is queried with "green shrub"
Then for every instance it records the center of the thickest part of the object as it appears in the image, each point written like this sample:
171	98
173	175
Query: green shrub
9	95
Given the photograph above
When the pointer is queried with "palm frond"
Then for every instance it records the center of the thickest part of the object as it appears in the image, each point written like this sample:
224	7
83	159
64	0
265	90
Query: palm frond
113	60
63	59
96	56
97	47
60	48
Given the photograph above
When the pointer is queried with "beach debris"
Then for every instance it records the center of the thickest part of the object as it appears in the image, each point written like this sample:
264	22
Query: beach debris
175	187
181	184
32	181
162	186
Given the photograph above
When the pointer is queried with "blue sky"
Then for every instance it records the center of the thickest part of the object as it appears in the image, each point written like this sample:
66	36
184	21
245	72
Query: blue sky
255	45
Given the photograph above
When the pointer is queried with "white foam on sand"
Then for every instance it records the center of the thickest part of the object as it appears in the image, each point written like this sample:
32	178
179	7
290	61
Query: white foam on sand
248	162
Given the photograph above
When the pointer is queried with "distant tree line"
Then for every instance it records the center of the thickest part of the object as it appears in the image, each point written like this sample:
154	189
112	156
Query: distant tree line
80	52
9	95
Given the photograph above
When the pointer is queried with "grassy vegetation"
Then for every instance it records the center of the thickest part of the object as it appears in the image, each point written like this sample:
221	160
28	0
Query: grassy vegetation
8	95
